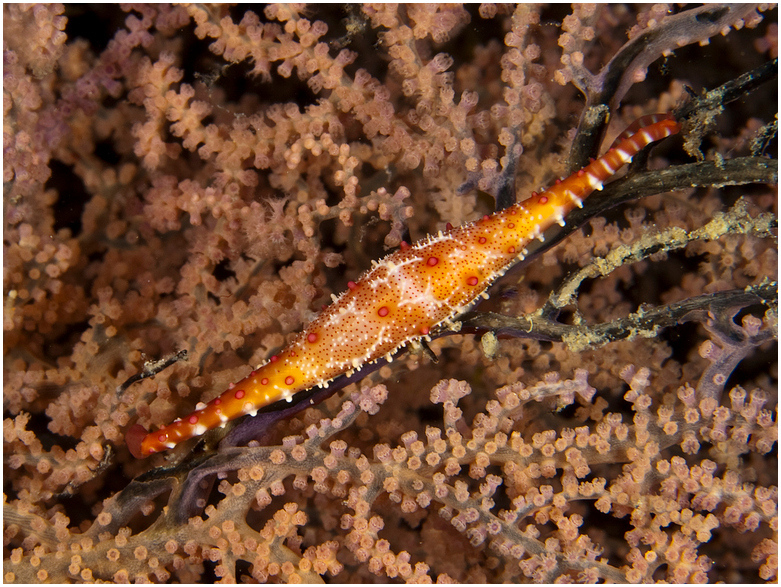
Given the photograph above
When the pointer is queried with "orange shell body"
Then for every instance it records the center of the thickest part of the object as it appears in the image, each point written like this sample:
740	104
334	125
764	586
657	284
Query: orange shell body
405	295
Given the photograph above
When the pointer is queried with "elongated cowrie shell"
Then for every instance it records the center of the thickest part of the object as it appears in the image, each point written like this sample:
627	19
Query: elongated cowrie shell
407	294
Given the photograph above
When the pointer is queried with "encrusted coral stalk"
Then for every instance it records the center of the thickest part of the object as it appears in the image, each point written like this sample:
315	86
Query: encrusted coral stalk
403	297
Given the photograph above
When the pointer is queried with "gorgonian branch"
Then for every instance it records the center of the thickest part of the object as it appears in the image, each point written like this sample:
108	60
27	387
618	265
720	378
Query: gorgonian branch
152	368
605	90
738	171
640	184
731	90
646	322
736	220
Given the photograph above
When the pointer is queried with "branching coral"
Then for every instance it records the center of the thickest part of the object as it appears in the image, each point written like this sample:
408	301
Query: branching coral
181	196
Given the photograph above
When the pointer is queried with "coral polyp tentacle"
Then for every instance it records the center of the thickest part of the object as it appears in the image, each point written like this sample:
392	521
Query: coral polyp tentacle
404	296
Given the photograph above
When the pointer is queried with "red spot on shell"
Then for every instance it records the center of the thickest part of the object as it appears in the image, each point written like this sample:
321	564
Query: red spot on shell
217	401
383	311
543	199
351	285
311	337
511	250
425	330
511	225
193	419
471	280
264	381
482	240
431	261
162	437
239	394
289	380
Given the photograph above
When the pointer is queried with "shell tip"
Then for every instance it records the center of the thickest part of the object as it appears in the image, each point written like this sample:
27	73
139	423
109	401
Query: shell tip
133	438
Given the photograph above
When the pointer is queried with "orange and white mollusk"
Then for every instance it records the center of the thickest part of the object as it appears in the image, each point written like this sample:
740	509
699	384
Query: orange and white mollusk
405	296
